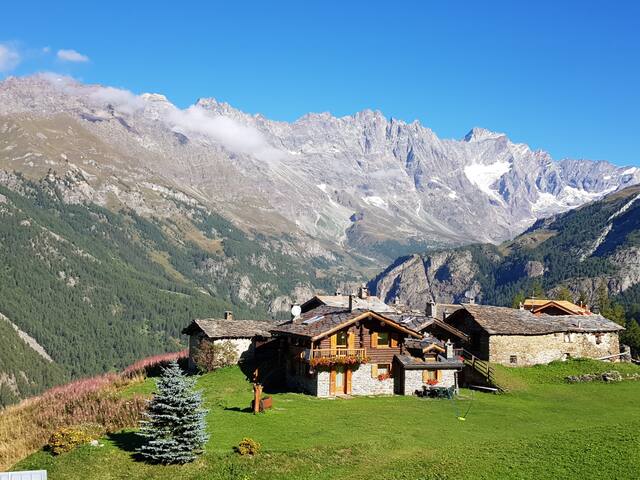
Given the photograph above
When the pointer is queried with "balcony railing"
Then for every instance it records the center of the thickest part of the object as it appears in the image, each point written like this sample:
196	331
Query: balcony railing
335	353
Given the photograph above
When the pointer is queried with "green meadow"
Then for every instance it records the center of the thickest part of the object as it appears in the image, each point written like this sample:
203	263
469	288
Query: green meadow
542	428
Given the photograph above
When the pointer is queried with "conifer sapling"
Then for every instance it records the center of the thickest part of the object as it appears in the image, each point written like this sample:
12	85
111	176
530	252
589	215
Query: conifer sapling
174	424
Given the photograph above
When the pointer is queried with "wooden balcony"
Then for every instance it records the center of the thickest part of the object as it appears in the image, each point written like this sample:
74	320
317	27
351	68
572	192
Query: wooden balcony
335	353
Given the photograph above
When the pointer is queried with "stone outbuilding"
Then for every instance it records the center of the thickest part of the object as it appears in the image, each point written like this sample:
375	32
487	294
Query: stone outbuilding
245	335
518	337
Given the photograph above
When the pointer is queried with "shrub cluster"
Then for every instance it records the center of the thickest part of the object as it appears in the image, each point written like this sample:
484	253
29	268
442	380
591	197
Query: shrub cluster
66	439
248	446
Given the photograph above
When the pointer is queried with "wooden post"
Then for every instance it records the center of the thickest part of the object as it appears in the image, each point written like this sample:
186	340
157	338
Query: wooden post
257	393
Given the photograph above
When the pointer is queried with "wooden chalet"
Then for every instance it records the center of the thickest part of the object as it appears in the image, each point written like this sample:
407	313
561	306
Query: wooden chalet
337	350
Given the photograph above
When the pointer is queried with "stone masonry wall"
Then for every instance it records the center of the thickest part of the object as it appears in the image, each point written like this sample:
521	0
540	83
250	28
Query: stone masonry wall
307	384
537	349
244	347
413	380
363	384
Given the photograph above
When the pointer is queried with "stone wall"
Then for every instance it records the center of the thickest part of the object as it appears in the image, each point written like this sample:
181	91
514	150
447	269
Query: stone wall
363	384
309	384
413	380
536	349
244	347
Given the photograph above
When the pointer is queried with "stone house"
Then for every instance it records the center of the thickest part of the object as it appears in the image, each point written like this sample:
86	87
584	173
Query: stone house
247	336
518	337
335	350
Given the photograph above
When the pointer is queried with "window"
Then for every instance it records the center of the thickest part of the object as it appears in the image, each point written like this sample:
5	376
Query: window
513	359
598	338
567	337
383	339
429	376
381	371
341	339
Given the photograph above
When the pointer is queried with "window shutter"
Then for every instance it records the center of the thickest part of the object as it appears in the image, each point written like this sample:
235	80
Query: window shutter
374	340
334	341
439	375
347	373
332	382
425	376
351	341
393	340
374	370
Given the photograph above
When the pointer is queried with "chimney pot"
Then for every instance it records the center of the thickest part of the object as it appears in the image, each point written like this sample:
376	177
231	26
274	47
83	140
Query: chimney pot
228	315
363	292
449	349
431	309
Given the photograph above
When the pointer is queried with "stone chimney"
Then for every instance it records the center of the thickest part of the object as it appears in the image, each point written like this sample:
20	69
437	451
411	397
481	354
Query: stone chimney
363	292
228	315
449	349
520	306
431	309
338	292
350	302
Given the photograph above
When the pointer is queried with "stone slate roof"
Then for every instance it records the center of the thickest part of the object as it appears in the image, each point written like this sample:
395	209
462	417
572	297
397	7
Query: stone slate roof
322	320
214	328
512	321
372	302
410	362
421	322
421	343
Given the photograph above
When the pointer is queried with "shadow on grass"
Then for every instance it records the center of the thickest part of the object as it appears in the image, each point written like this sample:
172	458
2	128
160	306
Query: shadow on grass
128	442
238	409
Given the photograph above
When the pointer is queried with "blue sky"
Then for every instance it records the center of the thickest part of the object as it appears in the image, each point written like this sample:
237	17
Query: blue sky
559	75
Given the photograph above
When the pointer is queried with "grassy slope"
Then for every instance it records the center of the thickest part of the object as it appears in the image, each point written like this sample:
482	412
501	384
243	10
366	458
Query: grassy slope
545	429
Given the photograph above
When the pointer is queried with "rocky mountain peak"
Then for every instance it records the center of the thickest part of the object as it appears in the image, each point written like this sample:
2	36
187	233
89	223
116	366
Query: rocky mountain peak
363	182
477	134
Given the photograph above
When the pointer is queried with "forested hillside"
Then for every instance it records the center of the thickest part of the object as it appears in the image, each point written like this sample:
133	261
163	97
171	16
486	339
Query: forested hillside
99	290
589	255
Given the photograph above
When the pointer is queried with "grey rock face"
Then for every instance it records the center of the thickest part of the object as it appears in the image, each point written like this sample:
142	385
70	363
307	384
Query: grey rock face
331	184
534	269
446	277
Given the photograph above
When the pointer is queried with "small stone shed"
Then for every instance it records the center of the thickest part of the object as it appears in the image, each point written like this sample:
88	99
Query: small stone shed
518	337
245	335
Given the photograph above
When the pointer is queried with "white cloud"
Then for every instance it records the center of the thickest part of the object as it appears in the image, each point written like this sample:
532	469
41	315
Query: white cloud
229	132
123	100
46	49
72	56
191	121
9	58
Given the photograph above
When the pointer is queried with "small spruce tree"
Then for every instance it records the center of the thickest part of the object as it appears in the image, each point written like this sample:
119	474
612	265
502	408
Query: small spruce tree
174	425
518	299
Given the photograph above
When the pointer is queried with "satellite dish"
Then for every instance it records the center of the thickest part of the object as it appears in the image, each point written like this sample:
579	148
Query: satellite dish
296	310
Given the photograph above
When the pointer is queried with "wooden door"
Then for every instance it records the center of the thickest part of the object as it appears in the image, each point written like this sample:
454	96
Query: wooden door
339	380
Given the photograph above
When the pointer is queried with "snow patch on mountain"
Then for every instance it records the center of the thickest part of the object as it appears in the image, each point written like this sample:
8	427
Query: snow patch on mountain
376	201
485	176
